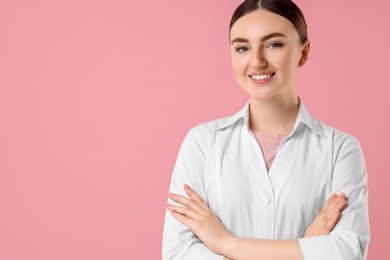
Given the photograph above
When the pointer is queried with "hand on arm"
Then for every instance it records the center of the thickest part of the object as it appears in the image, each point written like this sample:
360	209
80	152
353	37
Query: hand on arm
206	225
200	219
328	217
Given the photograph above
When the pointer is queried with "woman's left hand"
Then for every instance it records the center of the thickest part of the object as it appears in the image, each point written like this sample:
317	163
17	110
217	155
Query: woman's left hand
200	219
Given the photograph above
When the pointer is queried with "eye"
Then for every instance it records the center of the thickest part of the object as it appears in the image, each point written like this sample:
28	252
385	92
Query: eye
241	49
274	45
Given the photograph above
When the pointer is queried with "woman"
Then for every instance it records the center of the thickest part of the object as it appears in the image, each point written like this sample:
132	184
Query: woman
261	178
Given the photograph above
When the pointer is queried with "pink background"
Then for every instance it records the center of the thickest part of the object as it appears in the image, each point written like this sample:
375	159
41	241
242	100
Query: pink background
96	97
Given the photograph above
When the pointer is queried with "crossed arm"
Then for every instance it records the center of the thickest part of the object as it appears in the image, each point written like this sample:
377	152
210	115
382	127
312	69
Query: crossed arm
186	238
205	224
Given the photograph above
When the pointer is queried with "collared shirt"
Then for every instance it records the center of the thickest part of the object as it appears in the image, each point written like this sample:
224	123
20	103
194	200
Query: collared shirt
222	161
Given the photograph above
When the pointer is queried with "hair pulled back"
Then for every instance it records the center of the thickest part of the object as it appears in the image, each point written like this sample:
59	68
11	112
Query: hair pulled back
286	8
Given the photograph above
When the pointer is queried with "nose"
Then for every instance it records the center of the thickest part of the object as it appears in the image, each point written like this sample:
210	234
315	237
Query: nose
259	59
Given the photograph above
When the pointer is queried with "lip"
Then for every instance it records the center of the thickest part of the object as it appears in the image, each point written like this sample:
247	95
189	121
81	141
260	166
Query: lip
262	81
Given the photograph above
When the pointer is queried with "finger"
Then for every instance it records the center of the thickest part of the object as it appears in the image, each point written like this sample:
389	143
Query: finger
329	218
328	227
338	204
193	195
182	210
327	212
332	204
329	205
190	203
183	219
342	205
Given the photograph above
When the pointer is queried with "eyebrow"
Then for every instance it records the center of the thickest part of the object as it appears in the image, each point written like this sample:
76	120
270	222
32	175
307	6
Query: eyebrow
268	36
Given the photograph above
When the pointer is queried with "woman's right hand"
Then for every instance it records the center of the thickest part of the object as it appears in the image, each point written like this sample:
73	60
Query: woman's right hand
328	217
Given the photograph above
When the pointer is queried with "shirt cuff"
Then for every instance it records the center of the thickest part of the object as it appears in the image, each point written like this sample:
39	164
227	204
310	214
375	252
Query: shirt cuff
317	248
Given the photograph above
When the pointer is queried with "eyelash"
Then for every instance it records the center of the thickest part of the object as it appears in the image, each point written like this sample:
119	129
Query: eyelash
276	45
240	48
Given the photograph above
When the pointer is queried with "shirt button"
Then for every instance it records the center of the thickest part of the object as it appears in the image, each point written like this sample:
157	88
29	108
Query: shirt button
266	200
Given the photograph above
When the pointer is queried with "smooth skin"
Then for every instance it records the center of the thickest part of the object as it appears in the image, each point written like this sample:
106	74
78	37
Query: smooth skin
261	42
273	105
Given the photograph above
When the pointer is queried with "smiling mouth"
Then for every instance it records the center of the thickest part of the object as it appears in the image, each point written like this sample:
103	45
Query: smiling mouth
262	76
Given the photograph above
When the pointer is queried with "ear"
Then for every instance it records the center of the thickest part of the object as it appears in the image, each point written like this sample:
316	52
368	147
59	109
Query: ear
305	54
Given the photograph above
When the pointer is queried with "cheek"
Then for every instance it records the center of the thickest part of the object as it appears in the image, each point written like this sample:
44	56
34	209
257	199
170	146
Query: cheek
235	67
239	64
289	63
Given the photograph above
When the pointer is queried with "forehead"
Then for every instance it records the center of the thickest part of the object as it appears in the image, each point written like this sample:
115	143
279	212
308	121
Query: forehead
261	22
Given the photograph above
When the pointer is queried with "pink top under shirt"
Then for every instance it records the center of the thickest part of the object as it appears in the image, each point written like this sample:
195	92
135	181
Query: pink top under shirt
269	144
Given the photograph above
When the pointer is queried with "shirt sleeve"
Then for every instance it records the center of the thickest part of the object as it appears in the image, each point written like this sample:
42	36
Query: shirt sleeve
350	238
179	242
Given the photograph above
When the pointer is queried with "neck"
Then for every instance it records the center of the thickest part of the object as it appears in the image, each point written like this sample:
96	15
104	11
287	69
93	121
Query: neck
276	115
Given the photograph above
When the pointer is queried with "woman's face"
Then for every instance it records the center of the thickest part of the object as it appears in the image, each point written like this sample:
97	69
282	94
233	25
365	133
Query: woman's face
266	53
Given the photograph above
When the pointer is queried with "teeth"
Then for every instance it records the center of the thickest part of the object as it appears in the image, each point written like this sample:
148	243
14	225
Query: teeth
261	77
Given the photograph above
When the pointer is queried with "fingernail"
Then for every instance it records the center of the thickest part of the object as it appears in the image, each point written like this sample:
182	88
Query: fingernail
171	195
186	187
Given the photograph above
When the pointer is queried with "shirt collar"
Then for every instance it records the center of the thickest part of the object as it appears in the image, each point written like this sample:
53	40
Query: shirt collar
303	117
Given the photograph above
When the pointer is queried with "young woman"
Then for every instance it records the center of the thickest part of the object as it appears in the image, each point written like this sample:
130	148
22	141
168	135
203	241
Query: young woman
263	183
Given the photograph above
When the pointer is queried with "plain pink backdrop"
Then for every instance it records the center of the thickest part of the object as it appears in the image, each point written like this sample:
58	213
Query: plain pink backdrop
97	96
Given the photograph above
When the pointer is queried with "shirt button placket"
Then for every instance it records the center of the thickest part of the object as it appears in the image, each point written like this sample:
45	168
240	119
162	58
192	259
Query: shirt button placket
266	199
267	215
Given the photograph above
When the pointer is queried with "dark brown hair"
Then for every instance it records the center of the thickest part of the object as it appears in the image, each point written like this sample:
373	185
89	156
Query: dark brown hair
286	8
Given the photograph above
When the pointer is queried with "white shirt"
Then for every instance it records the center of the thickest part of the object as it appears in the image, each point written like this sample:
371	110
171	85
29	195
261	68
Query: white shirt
222	161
